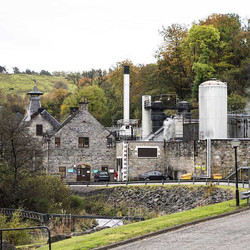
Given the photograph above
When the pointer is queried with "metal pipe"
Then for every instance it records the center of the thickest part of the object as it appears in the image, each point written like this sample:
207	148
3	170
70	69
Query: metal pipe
236	176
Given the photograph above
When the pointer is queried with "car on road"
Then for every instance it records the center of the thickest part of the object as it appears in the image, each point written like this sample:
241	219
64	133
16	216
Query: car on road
154	175
102	176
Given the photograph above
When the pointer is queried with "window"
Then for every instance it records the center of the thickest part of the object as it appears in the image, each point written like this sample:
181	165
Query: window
109	142
62	171
105	168
57	142
83	142
147	152
39	129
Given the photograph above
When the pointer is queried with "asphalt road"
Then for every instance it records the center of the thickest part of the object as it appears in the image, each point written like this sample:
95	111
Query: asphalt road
232	232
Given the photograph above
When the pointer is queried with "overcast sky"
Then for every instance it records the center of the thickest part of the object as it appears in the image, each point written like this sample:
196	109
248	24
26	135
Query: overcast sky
77	35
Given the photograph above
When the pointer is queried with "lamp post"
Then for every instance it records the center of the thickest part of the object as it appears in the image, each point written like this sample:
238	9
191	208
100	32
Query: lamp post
235	144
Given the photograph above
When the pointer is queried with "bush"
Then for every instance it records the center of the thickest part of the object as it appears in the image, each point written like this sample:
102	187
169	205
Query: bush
15	237
77	204
46	194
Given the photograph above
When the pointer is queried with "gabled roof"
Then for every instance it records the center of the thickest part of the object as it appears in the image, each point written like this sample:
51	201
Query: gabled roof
72	115
48	117
67	120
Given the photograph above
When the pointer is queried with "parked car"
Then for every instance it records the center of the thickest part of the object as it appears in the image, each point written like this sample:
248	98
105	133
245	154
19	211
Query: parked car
154	175
102	176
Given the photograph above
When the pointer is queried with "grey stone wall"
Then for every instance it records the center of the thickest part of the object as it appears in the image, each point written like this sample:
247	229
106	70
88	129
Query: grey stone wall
177	158
191	157
137	165
39	120
83	124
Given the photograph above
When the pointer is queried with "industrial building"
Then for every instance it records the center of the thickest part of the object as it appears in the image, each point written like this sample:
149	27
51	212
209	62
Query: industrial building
174	145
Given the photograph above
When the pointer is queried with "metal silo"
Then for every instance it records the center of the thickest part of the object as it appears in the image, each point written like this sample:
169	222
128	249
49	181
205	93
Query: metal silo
212	110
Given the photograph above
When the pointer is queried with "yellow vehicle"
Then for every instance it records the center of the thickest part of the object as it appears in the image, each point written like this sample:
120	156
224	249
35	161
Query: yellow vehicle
186	176
217	176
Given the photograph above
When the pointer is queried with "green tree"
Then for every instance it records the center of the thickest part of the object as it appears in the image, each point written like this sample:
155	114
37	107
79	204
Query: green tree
236	102
97	102
200	47
45	73
16	70
20	157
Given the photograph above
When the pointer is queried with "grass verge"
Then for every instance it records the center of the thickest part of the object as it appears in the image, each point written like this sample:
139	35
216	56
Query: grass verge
112	235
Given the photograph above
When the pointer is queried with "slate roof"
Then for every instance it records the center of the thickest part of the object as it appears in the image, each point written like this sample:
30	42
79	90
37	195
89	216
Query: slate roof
48	117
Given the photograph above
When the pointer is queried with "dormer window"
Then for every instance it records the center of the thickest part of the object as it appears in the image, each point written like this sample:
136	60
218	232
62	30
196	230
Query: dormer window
57	142
39	129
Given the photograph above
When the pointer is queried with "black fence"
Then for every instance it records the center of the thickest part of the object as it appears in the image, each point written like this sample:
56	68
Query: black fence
204	181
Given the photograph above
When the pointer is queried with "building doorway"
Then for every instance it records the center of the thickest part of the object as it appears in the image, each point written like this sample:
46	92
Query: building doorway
83	173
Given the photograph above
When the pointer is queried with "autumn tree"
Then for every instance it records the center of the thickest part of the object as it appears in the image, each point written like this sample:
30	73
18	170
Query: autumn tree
74	78
173	70
54	100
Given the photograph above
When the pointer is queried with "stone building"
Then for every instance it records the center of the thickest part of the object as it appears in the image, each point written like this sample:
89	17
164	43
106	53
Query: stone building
75	149
203	158
80	147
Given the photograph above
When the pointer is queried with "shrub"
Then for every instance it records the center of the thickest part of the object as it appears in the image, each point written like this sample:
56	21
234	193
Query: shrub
46	194
77	204
15	237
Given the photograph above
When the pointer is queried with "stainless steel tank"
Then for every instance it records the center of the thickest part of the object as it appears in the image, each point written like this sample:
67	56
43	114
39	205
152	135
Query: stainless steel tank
212	110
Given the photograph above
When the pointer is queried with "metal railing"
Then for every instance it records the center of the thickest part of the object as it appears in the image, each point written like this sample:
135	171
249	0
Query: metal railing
205	181
24	228
46	217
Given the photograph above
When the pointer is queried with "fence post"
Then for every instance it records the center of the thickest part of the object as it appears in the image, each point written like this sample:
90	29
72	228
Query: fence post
193	180
243	183
145	181
179	181
49	238
218	183
106	183
228	182
1	239
162	182
206	181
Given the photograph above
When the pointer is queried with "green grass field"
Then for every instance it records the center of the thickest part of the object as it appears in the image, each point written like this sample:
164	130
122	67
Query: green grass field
23	83
112	235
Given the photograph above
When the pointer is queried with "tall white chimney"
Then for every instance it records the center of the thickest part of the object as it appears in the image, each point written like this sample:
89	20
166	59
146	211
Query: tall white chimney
126	95
146	116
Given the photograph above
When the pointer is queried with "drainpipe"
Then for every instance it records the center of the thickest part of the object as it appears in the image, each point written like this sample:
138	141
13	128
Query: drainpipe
47	170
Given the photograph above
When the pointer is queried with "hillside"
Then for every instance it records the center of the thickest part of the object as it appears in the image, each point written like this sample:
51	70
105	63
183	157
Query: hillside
23	83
